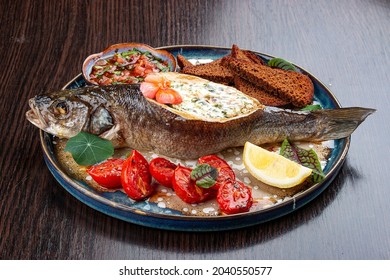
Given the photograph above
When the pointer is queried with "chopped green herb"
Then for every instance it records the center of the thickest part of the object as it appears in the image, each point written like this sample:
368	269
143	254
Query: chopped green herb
311	107
128	53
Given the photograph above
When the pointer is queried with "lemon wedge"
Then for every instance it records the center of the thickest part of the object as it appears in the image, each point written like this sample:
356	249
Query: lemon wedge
273	169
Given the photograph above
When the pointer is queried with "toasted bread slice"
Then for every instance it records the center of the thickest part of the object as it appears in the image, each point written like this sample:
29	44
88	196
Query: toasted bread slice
289	85
245	55
212	71
264	97
183	62
247	87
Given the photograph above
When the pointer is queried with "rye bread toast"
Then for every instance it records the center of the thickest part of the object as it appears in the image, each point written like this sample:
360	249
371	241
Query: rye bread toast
183	62
289	85
264	97
213	71
246	55
249	88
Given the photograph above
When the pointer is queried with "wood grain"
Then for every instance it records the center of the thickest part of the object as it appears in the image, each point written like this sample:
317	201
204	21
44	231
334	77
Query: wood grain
346	44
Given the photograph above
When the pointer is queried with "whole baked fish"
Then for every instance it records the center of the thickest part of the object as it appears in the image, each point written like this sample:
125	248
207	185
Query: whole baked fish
211	117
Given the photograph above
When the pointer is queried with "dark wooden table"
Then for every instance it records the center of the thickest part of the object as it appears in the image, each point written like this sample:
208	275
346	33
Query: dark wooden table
346	44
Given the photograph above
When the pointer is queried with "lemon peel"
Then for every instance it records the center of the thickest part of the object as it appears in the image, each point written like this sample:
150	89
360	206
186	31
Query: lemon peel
273	169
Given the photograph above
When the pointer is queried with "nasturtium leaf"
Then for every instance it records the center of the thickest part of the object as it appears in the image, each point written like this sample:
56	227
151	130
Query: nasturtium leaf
204	175
311	107
88	149
307	158
278	62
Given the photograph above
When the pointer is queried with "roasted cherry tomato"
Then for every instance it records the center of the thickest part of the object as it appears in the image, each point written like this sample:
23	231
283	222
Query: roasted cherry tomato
234	197
136	178
162	170
186	189
225	172
108	173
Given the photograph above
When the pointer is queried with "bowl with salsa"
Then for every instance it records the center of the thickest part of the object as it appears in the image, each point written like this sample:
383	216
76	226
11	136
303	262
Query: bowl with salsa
126	63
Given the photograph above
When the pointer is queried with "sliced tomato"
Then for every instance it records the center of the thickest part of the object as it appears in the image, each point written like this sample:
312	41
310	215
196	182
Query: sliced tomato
234	197
168	96
225	172
162	170
149	89
186	189
108	173
136	178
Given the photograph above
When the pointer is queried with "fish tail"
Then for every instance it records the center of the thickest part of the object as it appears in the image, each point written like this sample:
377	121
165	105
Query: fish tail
340	123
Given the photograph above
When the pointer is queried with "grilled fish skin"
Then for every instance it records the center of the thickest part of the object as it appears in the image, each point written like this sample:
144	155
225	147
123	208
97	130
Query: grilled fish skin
123	115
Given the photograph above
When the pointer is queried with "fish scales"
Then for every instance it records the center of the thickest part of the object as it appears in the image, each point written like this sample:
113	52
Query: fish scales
129	119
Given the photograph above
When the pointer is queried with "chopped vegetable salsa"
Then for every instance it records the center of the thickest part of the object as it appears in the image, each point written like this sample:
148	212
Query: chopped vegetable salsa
127	67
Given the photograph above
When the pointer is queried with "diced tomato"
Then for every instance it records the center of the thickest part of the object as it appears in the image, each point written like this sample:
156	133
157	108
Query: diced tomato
186	189
162	170
119	59
149	65
234	197
139	71
168	96
225	172
136	178
108	173
104	81
149	90
148	71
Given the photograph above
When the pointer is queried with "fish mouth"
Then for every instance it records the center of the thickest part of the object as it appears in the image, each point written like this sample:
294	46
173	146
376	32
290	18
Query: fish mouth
35	116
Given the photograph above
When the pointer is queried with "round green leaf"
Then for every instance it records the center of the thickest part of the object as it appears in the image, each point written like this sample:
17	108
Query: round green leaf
88	149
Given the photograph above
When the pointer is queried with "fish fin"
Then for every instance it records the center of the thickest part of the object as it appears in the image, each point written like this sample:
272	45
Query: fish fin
113	135
341	122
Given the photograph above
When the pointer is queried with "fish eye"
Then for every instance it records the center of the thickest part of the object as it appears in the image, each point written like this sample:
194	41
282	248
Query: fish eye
61	108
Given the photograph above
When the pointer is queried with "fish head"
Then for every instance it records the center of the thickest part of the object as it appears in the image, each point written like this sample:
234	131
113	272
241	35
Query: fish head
59	114
66	113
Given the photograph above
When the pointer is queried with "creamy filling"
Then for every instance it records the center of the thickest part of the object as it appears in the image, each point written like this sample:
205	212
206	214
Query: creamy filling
208	100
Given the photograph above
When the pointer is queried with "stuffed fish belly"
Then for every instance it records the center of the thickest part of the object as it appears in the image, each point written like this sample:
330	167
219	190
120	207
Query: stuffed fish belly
204	118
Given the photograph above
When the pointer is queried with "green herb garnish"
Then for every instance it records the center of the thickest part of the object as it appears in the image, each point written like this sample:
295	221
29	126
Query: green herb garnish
204	175
311	107
307	158
88	149
278	62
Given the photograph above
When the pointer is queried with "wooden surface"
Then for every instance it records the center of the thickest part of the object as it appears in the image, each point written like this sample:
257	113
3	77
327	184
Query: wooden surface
346	44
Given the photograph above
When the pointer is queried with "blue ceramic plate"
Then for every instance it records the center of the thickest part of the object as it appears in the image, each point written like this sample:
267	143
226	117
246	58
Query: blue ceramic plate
118	205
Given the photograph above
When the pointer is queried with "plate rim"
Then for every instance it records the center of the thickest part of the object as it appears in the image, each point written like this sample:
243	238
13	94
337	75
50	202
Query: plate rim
308	194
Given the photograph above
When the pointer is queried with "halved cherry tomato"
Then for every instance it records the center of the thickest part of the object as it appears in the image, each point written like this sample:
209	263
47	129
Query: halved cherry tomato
149	89
168	96
234	197
225	172
186	189
108	173
162	170
136	178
